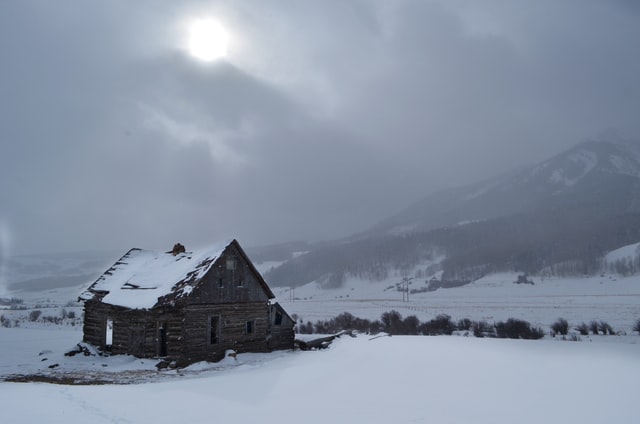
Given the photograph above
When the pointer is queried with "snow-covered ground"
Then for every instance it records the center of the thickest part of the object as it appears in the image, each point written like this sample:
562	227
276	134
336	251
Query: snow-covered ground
399	379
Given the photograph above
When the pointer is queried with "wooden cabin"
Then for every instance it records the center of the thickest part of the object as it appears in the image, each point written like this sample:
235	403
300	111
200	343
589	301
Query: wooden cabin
184	306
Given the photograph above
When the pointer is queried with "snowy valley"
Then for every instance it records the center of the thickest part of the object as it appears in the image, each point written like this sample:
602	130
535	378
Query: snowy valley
367	379
348	211
475	268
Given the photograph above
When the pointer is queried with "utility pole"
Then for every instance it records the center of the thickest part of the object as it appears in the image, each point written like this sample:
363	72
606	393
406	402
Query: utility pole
405	288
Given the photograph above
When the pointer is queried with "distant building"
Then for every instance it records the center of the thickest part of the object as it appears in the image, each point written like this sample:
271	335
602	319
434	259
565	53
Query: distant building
184	306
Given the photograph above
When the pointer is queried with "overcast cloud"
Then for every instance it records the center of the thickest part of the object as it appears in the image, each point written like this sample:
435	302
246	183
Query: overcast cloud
325	117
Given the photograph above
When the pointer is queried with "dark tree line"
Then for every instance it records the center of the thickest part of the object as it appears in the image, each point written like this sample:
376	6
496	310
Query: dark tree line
560	243
393	323
624	266
371	259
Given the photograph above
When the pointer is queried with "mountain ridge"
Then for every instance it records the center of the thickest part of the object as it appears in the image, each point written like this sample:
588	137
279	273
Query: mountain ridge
558	216
598	160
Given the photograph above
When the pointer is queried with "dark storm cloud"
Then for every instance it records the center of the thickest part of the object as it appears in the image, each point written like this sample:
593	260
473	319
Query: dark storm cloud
327	116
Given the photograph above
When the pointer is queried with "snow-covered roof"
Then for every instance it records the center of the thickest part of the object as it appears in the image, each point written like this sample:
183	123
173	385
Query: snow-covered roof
141	277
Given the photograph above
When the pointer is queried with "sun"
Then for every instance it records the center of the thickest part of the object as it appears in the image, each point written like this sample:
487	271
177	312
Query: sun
208	40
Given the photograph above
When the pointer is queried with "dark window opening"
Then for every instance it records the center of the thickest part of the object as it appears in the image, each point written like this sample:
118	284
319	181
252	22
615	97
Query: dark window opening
220	282
249	327
278	320
214	324
231	264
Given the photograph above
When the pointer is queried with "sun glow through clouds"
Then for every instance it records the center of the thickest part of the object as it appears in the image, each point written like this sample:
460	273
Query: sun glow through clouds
208	40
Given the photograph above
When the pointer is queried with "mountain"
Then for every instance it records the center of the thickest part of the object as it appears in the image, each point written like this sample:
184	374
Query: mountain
601	174
559	217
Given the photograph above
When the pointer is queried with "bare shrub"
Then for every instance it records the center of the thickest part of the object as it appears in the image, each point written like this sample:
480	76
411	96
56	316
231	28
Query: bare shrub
482	329
5	322
346	321
561	326
583	329
392	322
34	315
605	328
464	324
51	319
410	325
375	327
517	329
441	324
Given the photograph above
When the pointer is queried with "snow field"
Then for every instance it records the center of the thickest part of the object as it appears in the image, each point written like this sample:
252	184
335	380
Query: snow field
398	379
609	298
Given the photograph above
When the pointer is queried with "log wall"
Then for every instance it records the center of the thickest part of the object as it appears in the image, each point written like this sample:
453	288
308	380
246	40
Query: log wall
232	332
135	331
282	335
188	330
230	280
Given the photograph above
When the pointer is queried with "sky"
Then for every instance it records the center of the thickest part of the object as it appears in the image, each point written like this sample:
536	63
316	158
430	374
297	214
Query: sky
323	119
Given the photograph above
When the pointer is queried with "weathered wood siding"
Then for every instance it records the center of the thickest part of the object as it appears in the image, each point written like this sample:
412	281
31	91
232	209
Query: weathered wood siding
230	280
282	334
232	331
188	330
94	325
135	332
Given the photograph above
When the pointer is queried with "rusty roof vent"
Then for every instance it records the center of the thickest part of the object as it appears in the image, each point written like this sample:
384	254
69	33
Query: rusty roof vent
178	248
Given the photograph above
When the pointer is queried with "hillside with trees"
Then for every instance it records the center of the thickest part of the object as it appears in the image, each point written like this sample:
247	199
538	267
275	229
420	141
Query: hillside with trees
559	217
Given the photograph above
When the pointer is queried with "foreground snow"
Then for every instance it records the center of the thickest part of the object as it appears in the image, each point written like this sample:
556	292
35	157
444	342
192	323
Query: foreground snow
384	380
389	379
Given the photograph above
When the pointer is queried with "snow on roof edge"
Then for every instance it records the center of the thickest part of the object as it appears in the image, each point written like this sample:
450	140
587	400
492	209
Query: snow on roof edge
141	277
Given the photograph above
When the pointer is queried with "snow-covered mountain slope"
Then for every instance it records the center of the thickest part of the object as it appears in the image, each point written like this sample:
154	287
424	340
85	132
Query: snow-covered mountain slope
630	252
624	261
558	217
602	174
